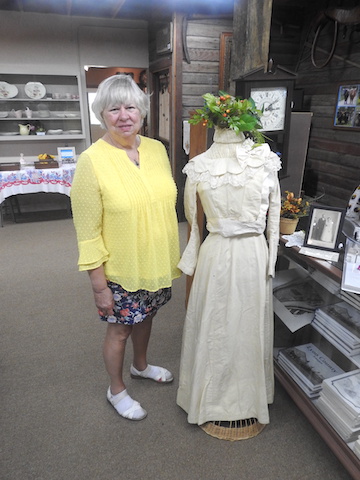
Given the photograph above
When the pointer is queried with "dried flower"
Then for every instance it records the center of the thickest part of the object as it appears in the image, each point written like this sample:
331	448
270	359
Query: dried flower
226	111
292	207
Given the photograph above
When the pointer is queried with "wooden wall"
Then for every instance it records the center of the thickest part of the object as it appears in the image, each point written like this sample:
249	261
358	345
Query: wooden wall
201	68
332	165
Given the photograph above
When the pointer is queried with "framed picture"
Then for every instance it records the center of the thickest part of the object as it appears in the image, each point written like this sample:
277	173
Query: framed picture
347	109
66	154
324	228
225	82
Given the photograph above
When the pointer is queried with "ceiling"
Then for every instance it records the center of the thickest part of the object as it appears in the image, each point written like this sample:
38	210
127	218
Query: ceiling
137	9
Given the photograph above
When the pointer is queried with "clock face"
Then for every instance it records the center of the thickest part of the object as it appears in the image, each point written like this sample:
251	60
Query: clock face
272	102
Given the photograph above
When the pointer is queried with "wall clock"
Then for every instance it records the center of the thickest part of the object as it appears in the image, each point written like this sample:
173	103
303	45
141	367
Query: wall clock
272	102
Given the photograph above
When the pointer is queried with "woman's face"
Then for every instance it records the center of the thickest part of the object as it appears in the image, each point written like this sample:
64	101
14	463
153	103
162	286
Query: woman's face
122	120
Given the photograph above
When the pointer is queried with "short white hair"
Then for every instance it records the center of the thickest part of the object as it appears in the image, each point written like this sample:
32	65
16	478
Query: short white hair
119	90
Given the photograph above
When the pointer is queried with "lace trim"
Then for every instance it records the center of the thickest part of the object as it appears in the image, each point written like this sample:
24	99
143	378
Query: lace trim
236	171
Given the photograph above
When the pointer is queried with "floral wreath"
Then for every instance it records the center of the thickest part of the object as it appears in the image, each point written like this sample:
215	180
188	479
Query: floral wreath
226	111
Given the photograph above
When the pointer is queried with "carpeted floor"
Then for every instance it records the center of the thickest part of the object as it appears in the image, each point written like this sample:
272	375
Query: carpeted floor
55	421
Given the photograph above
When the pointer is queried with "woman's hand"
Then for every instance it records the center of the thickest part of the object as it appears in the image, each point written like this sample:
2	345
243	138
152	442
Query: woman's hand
104	299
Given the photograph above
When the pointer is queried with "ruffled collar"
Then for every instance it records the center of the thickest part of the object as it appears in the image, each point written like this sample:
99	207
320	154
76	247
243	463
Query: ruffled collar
232	163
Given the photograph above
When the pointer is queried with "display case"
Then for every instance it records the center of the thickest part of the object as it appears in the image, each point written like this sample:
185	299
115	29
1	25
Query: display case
321	338
38	108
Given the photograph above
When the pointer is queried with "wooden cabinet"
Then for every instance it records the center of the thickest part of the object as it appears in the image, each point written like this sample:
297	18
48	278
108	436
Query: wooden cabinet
51	105
322	272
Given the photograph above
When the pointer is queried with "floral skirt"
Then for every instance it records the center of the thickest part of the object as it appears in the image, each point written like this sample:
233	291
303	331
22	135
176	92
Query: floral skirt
133	307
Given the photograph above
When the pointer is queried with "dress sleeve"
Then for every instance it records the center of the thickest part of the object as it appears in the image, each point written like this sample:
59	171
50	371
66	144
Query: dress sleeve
87	215
189	258
273	225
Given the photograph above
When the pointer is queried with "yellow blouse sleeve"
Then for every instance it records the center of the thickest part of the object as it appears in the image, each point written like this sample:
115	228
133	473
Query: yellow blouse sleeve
87	215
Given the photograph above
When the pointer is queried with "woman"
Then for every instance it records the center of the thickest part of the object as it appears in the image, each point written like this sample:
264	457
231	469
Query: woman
226	373
123	201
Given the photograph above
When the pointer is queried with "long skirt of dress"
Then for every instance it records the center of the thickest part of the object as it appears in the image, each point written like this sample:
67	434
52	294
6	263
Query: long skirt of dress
226	369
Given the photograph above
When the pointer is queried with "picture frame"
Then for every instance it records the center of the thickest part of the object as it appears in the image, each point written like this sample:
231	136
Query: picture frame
66	155
347	108
324	227
225	82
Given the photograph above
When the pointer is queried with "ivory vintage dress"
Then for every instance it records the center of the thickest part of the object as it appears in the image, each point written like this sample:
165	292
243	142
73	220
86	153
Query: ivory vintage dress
226	370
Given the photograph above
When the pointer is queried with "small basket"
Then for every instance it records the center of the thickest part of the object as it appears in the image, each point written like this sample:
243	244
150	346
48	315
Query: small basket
233	430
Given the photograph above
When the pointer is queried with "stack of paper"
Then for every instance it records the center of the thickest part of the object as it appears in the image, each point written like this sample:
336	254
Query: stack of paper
352	298
339	402
308	366
326	281
340	324
356	447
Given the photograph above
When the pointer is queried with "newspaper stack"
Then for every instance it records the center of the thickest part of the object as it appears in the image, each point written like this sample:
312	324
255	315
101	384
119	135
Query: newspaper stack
308	366
340	324
352	298
326	281
339	402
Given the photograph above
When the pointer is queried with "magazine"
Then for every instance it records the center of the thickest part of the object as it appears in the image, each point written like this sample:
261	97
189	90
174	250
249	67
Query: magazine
308	366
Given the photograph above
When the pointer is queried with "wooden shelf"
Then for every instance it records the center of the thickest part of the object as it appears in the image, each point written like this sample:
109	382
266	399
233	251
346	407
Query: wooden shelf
340	449
338	446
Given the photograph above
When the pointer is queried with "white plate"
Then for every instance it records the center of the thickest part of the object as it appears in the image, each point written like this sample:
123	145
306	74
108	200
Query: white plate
3	114
55	132
7	90
74	132
5	134
35	90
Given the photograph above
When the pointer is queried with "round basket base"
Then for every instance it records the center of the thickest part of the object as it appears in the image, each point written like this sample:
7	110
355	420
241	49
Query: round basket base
234	430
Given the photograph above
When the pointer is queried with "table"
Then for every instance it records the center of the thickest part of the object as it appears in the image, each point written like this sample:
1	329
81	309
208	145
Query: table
32	180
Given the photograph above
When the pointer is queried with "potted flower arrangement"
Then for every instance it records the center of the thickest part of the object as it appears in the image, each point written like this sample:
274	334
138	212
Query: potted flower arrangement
227	112
292	208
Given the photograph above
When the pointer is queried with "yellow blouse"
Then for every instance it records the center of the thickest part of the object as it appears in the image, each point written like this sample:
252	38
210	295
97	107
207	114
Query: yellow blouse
125	216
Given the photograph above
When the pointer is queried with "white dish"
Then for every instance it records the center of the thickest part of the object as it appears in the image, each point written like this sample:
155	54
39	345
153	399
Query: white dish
55	132
3	114
35	90
71	115
73	132
7	90
5	134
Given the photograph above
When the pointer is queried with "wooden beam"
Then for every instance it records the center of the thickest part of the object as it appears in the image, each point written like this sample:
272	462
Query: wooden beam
251	36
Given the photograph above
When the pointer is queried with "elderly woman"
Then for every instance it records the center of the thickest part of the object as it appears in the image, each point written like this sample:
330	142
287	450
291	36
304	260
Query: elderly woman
123	201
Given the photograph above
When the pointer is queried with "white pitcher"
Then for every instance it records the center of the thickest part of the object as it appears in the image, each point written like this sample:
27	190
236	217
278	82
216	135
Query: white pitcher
24	129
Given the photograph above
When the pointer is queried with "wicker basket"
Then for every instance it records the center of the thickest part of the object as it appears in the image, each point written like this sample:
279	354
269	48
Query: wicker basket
234	430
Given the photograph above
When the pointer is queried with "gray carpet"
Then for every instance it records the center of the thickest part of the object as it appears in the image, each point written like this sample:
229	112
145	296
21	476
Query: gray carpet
55	421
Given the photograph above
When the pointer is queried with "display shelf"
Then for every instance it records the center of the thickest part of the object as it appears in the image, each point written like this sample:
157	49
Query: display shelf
284	338
340	449
54	101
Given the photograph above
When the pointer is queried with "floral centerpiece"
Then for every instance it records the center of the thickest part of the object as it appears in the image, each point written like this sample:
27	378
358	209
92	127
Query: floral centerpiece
292	207
225	111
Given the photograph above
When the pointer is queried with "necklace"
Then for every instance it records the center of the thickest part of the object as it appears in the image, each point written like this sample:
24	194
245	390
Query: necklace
132	153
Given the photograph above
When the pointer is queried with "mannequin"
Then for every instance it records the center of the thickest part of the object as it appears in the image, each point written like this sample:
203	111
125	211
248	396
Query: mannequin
226	369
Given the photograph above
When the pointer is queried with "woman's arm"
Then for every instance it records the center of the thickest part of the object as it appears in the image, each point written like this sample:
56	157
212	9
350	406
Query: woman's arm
103	296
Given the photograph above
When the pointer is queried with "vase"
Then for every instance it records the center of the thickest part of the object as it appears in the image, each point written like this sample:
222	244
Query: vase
288	225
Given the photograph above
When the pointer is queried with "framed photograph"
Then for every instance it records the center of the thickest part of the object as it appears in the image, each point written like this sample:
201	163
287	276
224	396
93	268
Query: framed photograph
347	108
324	228
225	82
